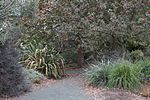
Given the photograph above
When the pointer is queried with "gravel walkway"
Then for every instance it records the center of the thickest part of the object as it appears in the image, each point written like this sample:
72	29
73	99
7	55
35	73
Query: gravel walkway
75	89
66	89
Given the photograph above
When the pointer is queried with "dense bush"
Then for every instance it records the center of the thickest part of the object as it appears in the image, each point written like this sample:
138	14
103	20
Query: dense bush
125	75
136	55
70	55
12	78
144	66
103	27
43	58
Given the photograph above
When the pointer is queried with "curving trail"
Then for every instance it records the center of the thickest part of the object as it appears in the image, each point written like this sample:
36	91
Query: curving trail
73	88
66	89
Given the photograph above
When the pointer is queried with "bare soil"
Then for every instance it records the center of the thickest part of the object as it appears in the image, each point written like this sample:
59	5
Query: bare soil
112	94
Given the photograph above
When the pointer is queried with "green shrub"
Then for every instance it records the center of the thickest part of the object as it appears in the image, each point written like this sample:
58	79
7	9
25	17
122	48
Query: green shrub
143	63
42	58
98	73
135	43
34	76
12	78
124	75
136	55
144	66
70	56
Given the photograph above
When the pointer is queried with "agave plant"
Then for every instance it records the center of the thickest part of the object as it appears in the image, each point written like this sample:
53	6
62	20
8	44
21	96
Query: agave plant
43	58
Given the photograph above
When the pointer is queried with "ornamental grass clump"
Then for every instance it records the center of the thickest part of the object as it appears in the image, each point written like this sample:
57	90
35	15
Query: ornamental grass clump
98	73
120	74
125	75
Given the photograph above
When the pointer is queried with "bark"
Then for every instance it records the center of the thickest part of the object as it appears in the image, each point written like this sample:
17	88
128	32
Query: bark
80	56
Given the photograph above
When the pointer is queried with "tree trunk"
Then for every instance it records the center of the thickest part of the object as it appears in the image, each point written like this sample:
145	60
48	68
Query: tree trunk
80	56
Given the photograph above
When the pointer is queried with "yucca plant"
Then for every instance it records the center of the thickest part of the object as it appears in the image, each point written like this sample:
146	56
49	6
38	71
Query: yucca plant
124	75
43	58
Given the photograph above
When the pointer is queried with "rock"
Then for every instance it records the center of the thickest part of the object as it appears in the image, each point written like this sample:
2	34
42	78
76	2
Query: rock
145	90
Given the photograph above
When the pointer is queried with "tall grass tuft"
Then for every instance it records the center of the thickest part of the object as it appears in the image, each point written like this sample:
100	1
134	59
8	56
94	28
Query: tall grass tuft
124	75
121	74
98	73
